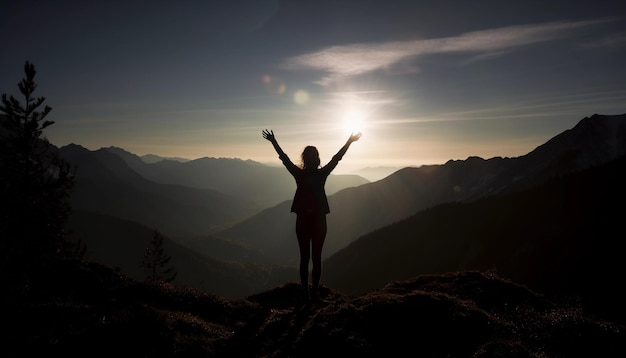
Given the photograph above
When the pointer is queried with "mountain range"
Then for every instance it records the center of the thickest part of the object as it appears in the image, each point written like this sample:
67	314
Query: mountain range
359	210
119	200
480	213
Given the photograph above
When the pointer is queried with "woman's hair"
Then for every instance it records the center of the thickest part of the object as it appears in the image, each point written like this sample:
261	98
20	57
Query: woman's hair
310	158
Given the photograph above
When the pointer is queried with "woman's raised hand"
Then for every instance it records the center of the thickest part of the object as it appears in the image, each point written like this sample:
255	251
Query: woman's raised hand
269	135
354	137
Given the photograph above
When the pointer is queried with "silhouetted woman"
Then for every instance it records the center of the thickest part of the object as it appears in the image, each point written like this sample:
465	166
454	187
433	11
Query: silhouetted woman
310	205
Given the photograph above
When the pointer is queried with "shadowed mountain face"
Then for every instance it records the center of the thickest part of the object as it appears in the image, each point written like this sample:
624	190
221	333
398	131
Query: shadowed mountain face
359	210
562	237
78	309
218	266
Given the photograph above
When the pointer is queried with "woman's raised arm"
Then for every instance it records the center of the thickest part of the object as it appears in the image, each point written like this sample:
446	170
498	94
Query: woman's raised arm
353	138
269	135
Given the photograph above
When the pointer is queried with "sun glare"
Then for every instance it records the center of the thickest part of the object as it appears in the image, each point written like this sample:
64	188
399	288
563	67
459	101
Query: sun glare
353	122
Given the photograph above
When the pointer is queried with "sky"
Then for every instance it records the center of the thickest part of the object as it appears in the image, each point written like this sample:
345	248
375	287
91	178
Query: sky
423	81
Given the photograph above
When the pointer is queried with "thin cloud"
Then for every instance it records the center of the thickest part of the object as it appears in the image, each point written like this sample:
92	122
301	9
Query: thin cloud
617	40
346	61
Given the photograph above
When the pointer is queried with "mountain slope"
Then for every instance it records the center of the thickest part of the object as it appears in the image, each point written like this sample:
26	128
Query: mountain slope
121	244
562	237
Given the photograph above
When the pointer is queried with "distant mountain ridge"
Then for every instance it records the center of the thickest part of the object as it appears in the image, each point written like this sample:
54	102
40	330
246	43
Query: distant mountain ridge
376	173
153	158
105	183
180	198
263	184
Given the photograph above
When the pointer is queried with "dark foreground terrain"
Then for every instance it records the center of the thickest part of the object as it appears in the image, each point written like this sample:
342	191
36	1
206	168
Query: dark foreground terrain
79	309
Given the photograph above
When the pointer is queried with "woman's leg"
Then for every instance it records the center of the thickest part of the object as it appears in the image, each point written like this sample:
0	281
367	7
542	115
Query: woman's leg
317	244
304	242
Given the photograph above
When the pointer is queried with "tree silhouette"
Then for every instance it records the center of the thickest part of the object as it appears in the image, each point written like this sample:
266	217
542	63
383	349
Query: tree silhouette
35	183
155	261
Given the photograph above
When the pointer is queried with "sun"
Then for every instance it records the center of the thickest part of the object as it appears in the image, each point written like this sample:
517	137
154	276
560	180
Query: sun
352	122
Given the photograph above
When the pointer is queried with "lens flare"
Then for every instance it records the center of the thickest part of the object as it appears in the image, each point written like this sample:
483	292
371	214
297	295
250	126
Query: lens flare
301	97
273	85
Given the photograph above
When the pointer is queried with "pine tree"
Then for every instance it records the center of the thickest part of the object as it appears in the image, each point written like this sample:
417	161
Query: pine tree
35	183
156	261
